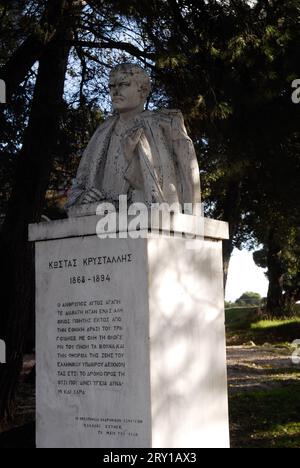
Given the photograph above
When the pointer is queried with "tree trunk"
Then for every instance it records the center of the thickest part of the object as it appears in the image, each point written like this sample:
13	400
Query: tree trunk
290	298
26	204
227	252
231	214
275	302
30	51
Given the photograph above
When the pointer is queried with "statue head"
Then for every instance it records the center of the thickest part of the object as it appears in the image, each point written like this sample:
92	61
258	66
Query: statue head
129	87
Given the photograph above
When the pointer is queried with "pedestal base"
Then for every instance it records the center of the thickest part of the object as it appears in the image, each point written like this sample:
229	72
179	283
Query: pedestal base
130	342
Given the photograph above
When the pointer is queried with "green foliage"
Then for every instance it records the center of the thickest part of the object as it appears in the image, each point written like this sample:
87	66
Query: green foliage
15	25
286	257
245	324
228	66
240	318
85	99
273	324
249	299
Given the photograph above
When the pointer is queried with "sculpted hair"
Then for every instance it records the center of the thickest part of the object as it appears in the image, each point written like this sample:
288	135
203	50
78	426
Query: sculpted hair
138	73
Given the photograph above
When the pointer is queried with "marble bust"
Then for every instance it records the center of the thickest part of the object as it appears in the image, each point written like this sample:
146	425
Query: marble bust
146	155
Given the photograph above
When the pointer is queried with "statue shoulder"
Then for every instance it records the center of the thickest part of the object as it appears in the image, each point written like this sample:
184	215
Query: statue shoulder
107	122
103	127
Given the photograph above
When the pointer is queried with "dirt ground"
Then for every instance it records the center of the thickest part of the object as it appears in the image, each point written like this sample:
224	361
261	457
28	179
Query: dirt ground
249	368
20	433
256	367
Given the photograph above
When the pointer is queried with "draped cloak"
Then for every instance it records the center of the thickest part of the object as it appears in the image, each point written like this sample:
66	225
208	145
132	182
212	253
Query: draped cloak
163	163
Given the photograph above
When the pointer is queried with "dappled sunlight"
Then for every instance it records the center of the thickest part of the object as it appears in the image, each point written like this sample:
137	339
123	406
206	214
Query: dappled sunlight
188	345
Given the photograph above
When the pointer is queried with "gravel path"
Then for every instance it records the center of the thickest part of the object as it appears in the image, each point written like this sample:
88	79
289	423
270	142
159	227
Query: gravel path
258	367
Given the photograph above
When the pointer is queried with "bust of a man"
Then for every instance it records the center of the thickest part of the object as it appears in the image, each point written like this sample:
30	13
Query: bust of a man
146	155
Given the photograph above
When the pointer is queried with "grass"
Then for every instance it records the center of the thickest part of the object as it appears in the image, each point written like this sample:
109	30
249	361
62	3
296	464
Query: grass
244	325
270	416
275	324
266	419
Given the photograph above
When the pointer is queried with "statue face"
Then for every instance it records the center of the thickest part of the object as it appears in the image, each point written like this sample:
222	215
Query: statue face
126	93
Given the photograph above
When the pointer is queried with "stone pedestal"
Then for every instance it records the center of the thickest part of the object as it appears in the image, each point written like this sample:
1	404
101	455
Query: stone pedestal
130	337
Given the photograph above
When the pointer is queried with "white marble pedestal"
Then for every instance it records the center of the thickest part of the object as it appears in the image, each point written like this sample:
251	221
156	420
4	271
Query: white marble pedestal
130	337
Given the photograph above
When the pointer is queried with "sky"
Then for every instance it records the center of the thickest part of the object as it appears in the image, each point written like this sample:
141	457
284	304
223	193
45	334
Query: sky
244	276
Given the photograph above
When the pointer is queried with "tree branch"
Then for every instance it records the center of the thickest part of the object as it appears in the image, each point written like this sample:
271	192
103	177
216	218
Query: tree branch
110	44
179	19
